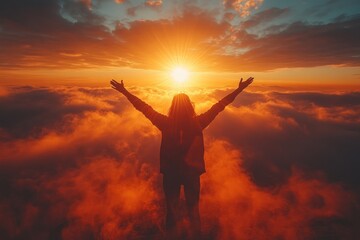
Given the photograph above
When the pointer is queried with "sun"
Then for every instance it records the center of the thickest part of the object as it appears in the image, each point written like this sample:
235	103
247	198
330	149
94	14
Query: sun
180	74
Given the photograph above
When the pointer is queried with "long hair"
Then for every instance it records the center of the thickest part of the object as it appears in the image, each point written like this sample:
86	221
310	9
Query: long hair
181	113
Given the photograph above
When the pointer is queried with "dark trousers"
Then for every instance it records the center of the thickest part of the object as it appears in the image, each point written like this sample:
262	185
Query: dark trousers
171	185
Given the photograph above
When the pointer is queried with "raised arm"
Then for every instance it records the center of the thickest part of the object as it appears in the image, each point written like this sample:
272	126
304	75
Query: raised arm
206	118
156	118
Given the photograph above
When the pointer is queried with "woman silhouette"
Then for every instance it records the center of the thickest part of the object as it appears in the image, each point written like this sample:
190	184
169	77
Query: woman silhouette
182	150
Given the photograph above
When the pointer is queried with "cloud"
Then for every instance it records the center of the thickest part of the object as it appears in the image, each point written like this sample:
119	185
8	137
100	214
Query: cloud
298	126
351	99
241	210
126	193
274	168
87	3
74	35
79	32
301	45
153	3
184	40
46	108
264	16
242	7
69	28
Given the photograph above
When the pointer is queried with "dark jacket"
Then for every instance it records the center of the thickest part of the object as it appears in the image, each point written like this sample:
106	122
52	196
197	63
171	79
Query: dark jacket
181	152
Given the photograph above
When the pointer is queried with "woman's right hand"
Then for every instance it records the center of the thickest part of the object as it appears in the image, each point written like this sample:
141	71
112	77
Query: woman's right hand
243	85
118	86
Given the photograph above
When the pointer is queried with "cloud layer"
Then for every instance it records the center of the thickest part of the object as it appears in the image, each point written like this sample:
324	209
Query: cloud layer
82	163
76	34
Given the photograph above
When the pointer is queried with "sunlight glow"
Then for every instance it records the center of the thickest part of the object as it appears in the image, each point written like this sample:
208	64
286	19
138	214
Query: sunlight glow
180	74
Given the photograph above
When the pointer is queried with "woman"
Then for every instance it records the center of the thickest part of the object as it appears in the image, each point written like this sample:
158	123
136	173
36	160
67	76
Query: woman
182	150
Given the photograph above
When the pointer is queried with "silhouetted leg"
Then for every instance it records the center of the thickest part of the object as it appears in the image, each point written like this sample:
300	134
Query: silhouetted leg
171	187
192	195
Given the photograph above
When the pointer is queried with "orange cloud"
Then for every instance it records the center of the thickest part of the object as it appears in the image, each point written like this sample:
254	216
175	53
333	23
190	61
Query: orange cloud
93	170
87	3
119	195
184	40
243	7
153	3
239	209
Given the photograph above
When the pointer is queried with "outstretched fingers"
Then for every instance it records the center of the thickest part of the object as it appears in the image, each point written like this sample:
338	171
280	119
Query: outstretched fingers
244	84
250	80
117	86
114	82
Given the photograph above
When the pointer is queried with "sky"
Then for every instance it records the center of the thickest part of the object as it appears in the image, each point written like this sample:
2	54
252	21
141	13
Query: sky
67	41
77	161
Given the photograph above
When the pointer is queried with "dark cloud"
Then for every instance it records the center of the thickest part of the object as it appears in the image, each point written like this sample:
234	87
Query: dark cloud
80	11
313	131
271	159
25	113
299	45
321	99
29	16
53	34
264	16
324	9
